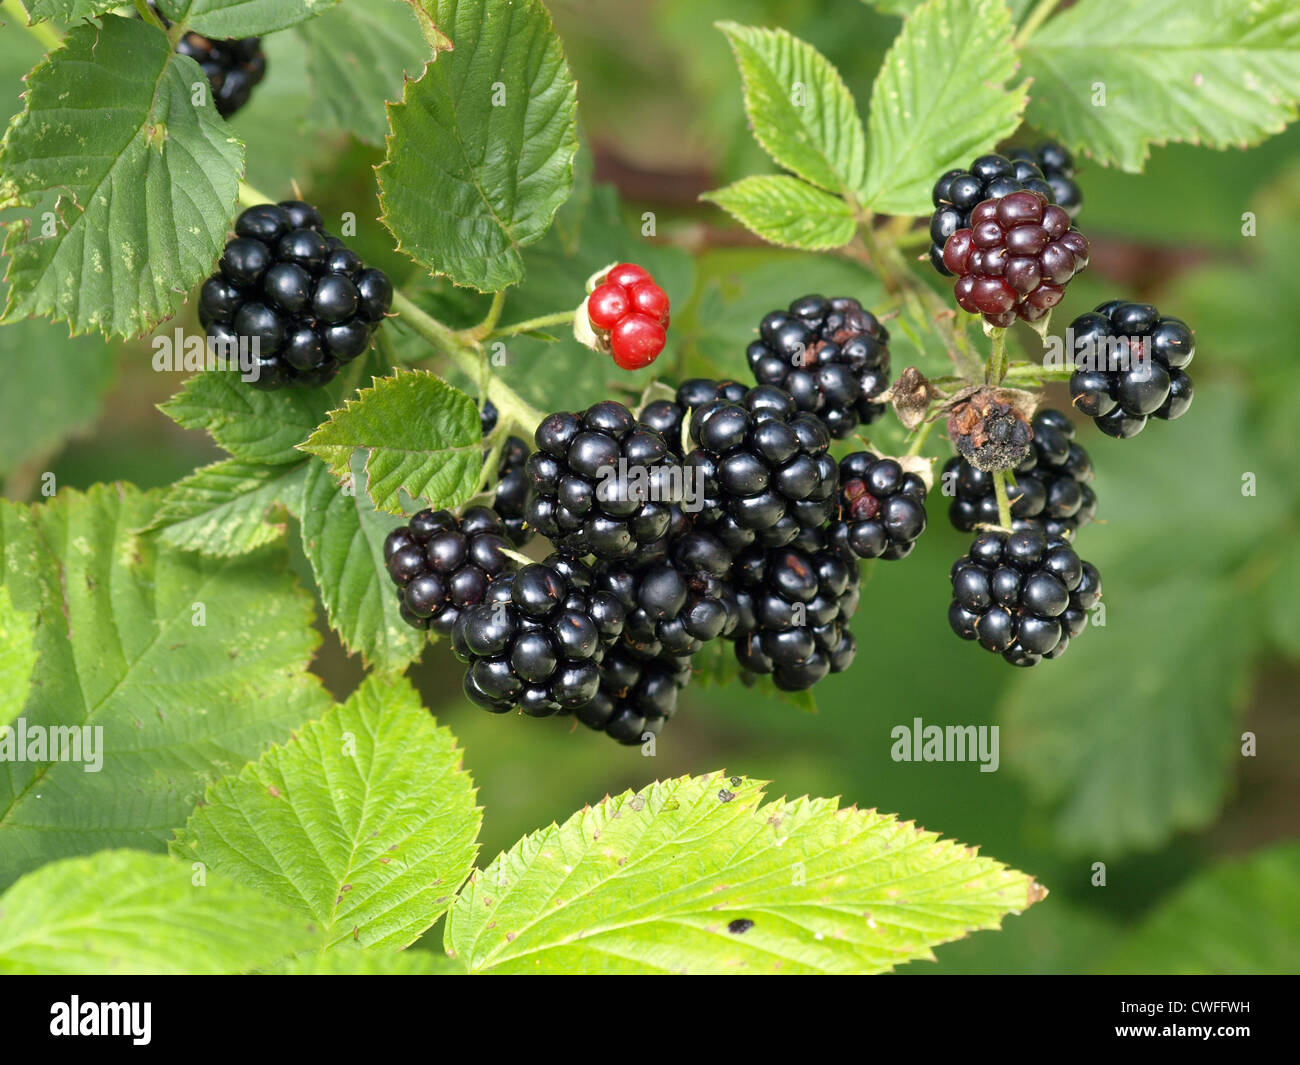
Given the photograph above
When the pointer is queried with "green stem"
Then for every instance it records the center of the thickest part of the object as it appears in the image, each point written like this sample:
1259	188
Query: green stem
996	369
149	15
42	31
918	441
1004	503
1027	372
1036	18
485	327
559	318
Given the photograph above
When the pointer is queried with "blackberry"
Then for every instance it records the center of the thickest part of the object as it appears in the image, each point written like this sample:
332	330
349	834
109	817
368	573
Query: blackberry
1023	594
293	294
794	604
602	483
761	469
511	499
536	641
1051	489
636	695
959	192
1015	259
667	416
233	66
1130	365
442	564
1057	168
881	508
830	355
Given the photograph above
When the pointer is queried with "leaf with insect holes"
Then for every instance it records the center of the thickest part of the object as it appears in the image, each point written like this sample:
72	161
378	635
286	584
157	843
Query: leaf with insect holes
939	100
418	435
17	657
365	821
67	11
146	181
697	875
228	508
1111	77
343	536
241	18
787	211
189	665
482	145
799	108
358	55
123	912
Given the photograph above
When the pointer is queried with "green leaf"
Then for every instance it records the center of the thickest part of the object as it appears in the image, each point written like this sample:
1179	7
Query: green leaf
787	211
696	875
939	100
190	666
66	10
1239	917
343	536
125	912
365	821
241	18
17	657
263	428
418	435
798	106
47	399
146	181
358	55
482	146
1212	72
227	508
349	960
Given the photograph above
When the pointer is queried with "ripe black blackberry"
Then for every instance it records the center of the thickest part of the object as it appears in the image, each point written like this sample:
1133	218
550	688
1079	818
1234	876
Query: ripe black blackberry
1051	489
830	355
667	416
442	564
1057	166
958	192
760	468
637	695
293	294
511	498
536	641
1023	594
233	66
881	508
1130	365
601	482
795	603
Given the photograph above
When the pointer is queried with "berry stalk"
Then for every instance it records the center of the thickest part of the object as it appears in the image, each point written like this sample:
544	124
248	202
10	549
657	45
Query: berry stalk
532	324
996	369
1004	502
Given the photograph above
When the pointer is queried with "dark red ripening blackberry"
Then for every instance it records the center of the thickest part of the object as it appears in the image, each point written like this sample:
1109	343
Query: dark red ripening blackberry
794	605
601	482
1130	365
1023	595
1015	259
537	640
1051	489
831	356
958	192
881	508
762	469
294	295
442	564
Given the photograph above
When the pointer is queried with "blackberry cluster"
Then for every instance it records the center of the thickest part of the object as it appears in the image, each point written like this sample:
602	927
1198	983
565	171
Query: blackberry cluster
763	468
794	606
881	508
233	67
1057	168
296	295
1051	489
959	192
601	482
831	356
536	642
1015	259
1130	365
511	499
1023	595
443	565
668	416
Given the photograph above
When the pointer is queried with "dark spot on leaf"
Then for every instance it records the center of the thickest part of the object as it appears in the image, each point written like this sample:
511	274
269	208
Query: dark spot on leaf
737	781
726	796
740	926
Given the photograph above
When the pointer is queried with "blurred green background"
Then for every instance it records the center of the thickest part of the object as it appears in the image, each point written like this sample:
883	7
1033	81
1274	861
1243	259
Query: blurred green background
1127	752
